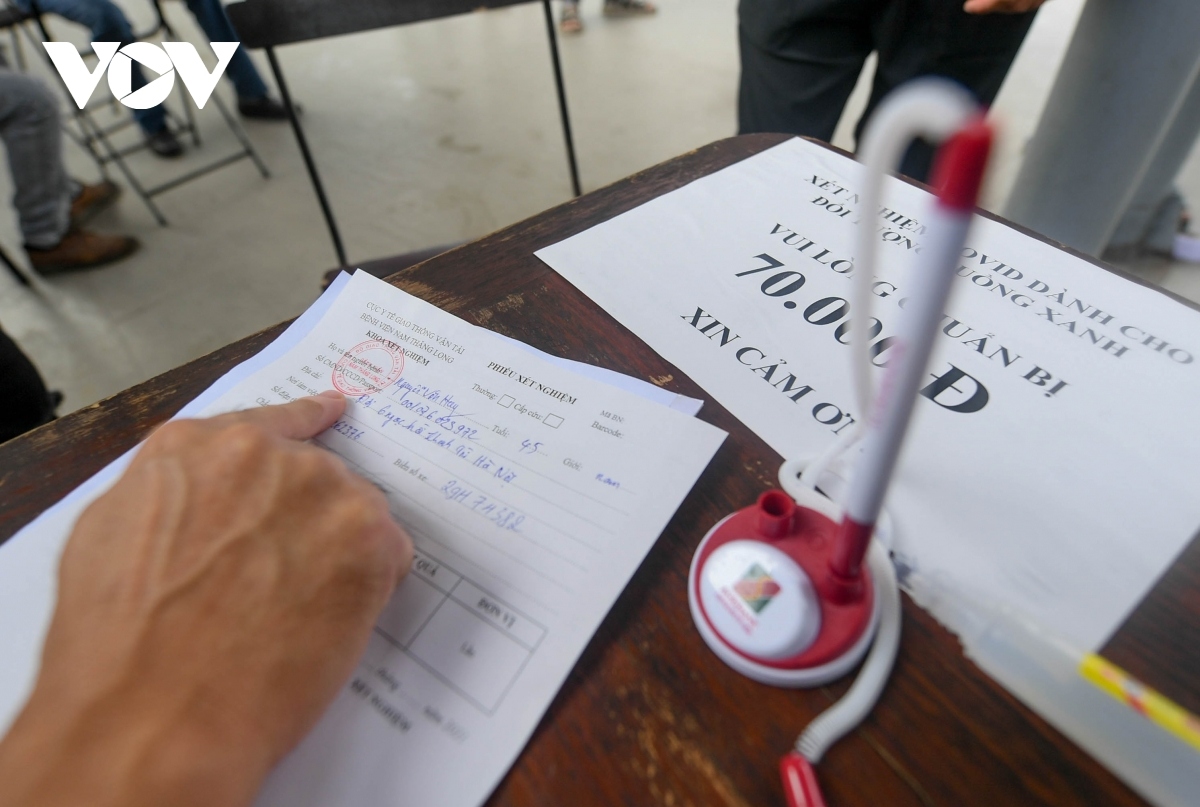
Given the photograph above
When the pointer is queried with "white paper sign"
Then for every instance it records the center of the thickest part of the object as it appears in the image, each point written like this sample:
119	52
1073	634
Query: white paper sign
1053	462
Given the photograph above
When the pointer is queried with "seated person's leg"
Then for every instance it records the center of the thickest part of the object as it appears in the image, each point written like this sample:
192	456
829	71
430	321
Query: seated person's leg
253	100
29	126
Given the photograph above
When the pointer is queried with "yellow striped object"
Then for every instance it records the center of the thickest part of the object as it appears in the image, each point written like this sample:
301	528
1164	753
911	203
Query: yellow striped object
1142	699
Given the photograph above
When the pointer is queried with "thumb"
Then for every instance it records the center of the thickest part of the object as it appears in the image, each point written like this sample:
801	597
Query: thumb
300	419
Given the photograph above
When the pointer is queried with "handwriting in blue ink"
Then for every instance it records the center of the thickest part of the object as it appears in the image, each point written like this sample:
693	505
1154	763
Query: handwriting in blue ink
345	429
607	480
423	392
439	428
502	516
495	468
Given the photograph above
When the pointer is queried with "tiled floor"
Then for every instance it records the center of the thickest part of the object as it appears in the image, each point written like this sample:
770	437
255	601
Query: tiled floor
429	134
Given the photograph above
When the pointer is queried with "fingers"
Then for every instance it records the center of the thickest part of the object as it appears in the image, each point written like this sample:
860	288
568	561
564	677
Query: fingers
298	420
404	552
394	541
1000	6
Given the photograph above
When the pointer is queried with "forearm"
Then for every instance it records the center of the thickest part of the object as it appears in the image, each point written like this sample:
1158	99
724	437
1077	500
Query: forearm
1001	6
114	752
210	606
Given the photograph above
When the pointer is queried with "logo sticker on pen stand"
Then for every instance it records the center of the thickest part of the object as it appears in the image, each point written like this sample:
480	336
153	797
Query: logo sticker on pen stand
754	594
757	588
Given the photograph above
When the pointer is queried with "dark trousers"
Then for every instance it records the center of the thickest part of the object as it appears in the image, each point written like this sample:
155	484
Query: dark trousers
801	58
24	402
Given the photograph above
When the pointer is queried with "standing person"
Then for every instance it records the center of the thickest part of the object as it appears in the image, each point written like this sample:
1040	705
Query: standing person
108	23
802	58
571	23
1156	220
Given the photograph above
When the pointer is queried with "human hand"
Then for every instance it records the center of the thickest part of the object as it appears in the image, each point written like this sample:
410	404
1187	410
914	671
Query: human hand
1000	6
210	606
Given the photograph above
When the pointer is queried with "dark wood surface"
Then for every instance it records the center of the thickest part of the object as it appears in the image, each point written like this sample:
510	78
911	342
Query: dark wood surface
649	716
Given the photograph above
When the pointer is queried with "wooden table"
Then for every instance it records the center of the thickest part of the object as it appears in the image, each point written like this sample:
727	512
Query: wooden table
649	716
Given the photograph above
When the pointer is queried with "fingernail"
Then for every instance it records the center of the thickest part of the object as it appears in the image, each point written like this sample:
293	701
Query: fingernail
331	393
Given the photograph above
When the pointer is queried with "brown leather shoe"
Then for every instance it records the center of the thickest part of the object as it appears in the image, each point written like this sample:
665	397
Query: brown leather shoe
81	249
91	200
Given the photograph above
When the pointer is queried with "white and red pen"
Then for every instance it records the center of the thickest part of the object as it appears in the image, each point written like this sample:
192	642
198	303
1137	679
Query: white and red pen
957	177
958	174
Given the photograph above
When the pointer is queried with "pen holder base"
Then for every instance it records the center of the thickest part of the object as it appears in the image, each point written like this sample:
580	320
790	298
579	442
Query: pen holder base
755	592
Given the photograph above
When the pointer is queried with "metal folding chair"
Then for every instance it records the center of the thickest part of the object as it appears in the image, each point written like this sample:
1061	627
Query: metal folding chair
94	137
269	23
14	268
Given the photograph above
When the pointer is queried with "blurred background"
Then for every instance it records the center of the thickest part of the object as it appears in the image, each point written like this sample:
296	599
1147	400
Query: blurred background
426	134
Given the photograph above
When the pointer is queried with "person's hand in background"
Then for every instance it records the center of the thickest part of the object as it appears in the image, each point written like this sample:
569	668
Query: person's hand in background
1000	6
210	606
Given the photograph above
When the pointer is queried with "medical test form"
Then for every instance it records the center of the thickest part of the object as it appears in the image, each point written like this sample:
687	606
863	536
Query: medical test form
532	493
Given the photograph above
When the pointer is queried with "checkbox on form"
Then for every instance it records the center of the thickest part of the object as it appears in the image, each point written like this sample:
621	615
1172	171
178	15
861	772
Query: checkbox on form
506	401
553	421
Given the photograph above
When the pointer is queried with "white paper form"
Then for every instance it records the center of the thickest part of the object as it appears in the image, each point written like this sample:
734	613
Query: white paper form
375	744
1052	464
532	494
29	559
645	389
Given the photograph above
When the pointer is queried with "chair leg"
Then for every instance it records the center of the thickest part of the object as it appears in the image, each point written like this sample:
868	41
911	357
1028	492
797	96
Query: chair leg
93	133
14	269
18	51
562	98
111	154
86	144
188	114
240	134
308	159
94	138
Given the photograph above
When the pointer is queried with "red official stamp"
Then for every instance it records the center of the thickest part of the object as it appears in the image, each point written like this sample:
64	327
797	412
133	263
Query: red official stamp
368	367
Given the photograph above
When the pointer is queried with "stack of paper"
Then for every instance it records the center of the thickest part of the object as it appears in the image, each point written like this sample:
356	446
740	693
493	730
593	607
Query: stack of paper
532	491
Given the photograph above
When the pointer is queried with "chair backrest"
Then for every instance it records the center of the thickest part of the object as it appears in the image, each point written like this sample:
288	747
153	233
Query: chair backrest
267	23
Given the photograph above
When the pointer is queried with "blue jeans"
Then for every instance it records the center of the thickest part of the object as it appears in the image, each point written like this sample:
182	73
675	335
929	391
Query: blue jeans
108	24
217	27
